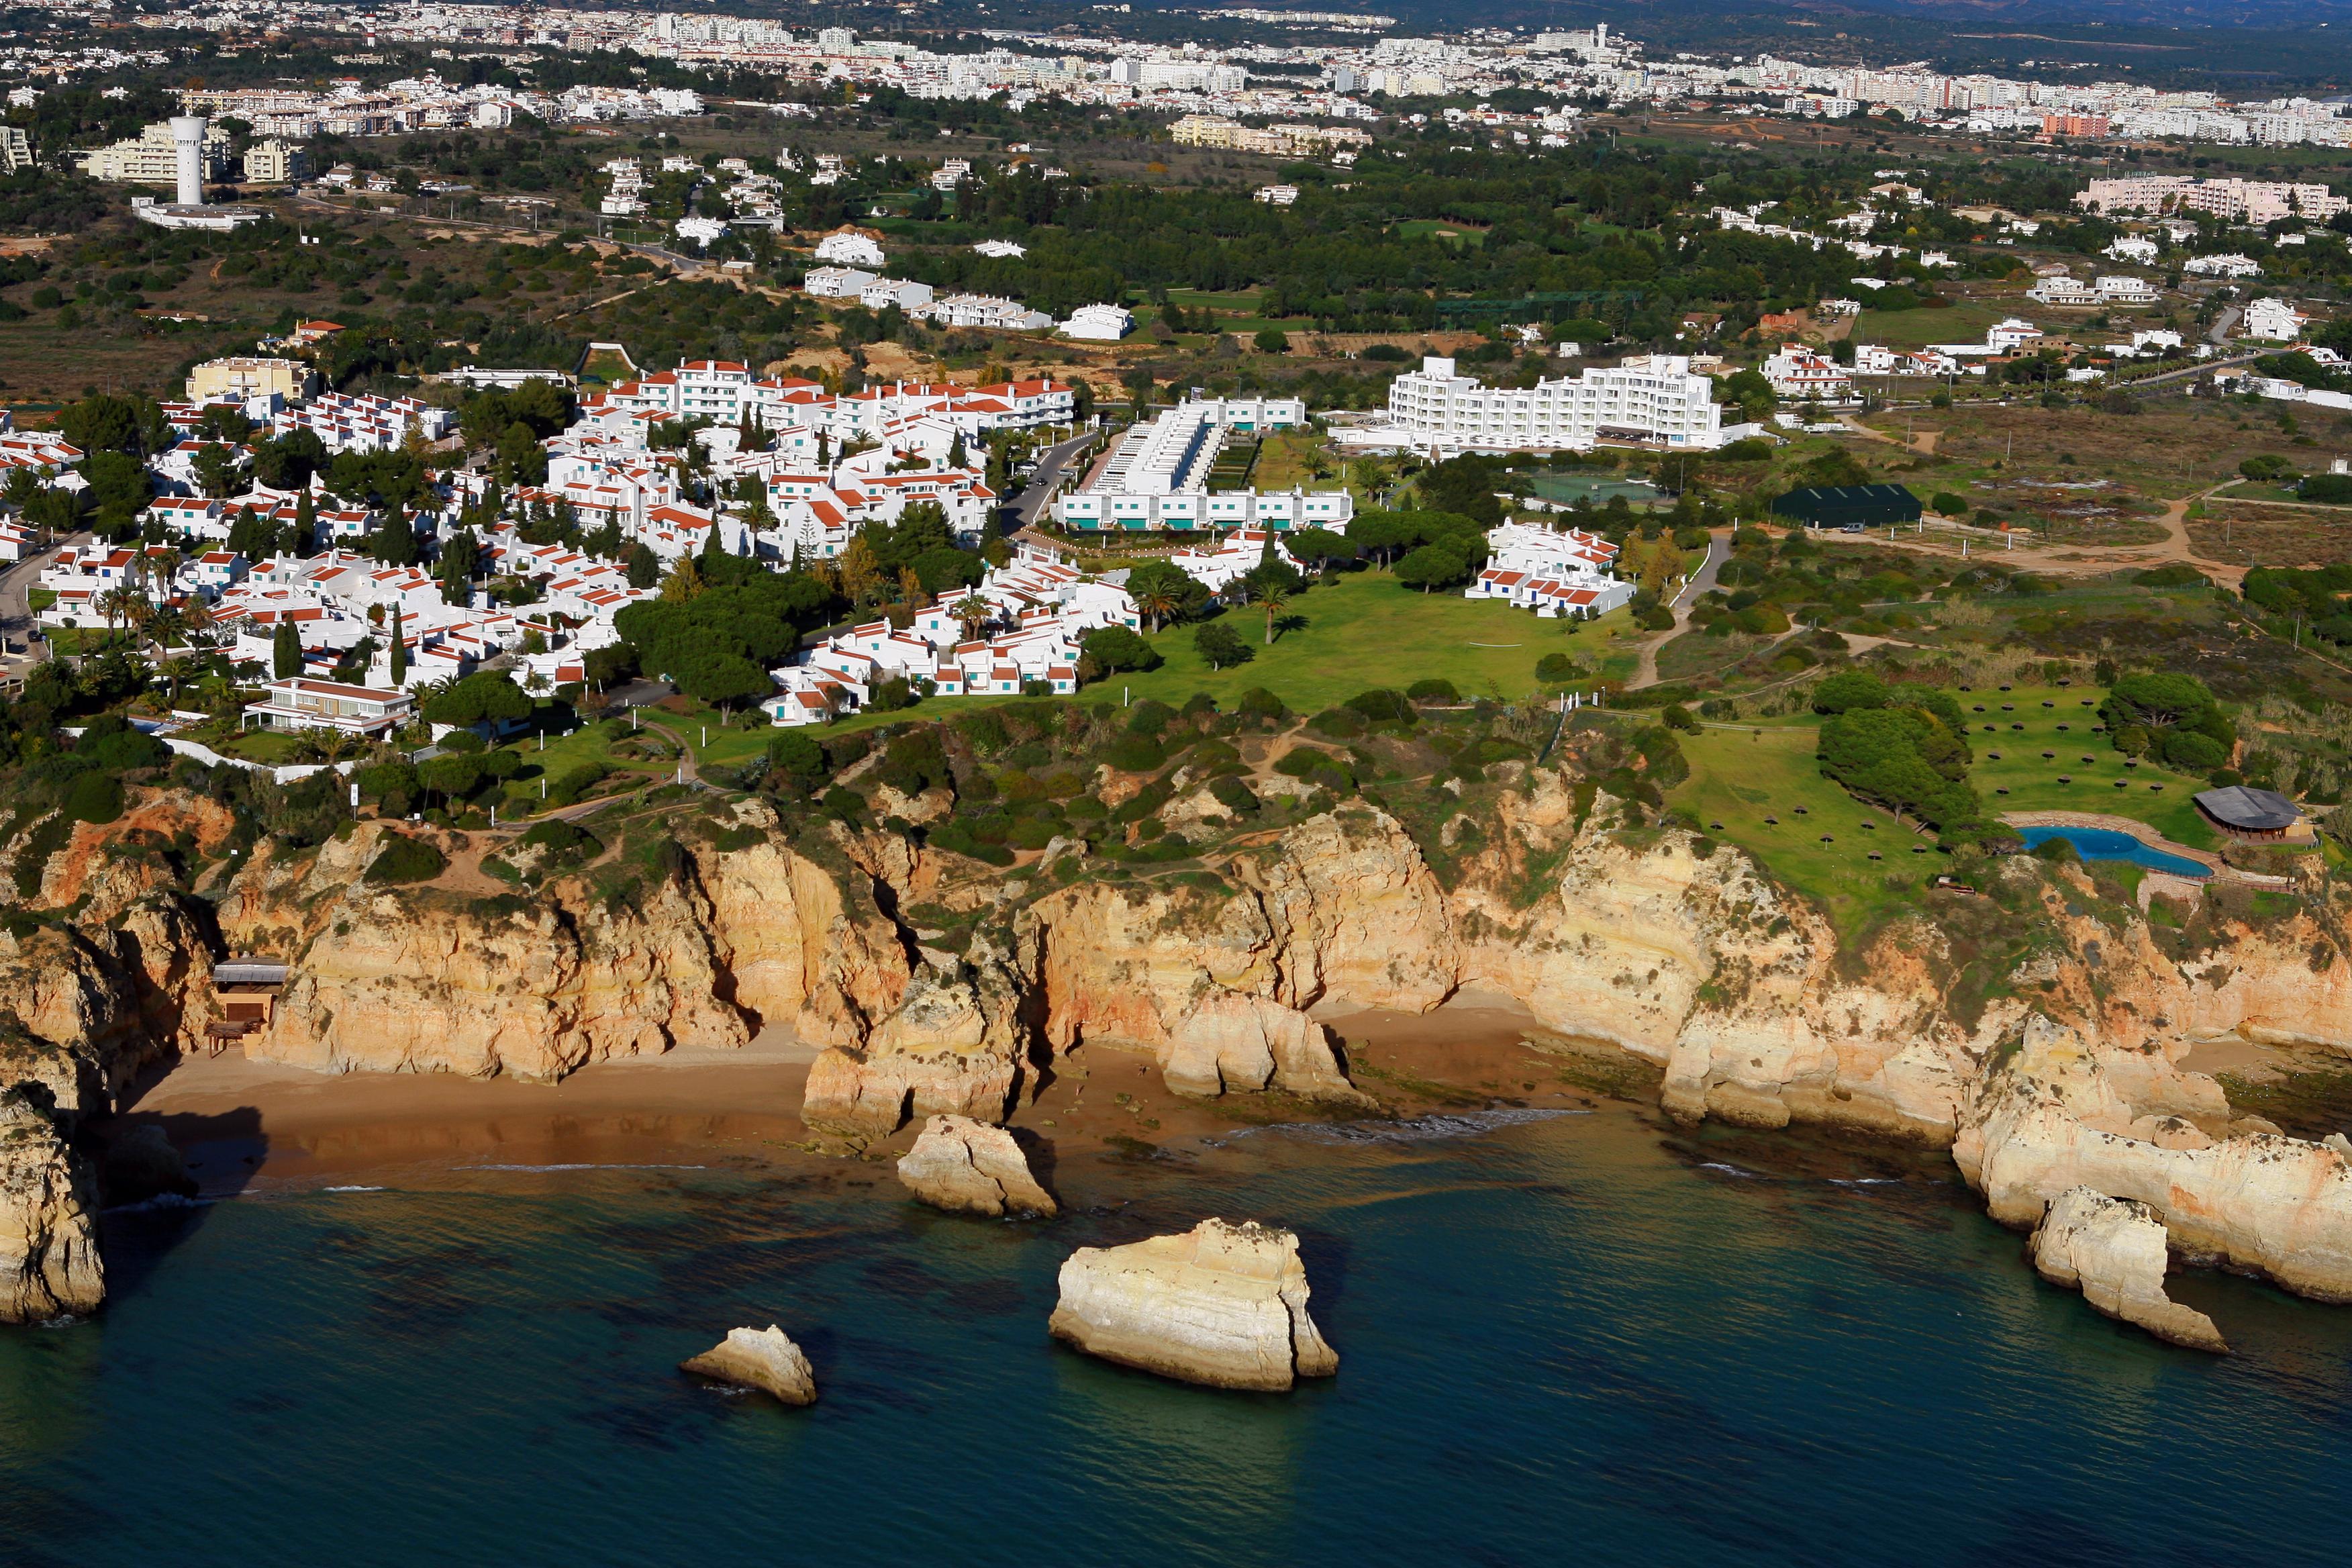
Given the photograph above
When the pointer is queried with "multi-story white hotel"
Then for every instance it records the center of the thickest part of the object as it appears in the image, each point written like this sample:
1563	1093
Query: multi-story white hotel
1650	398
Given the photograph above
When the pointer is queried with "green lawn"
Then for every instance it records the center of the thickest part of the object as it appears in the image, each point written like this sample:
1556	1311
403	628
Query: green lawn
1741	774
273	747
2032	780
1454	234
1367	630
1959	324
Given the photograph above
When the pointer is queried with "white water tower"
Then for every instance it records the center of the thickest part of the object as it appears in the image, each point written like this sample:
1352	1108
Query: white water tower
188	142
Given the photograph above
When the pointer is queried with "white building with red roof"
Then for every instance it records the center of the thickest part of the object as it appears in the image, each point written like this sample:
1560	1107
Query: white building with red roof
1569	573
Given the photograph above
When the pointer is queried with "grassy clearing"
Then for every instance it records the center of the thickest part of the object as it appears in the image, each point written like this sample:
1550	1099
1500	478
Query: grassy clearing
1454	234
2273	535
1959	323
2030	780
1742	774
1360	631
1366	630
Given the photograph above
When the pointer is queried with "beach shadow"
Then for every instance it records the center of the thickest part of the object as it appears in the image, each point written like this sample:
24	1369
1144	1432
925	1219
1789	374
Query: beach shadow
1038	1150
143	1214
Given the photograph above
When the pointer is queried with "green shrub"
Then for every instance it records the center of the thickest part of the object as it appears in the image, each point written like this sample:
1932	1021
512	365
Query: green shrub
1338	723
94	797
1382	705
561	837
1434	688
1235	796
1849	689
403	859
1257	702
1150	717
1034	833
1134	753
111	743
573	784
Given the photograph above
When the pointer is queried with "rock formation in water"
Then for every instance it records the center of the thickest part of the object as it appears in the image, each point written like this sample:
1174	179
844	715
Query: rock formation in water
2054	1113
2112	1251
1221	1304
764	1359
48	1216
970	1167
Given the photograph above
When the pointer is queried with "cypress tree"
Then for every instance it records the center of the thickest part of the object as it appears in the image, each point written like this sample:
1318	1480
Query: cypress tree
285	651
399	649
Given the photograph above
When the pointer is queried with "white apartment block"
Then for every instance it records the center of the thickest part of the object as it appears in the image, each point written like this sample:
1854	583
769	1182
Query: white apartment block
1650	398
2239	201
1158	476
153	158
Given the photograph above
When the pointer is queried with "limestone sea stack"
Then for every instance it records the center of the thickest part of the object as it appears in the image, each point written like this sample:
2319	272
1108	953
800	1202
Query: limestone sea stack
758	1358
970	1167
48	1228
2113	1250
1223	1304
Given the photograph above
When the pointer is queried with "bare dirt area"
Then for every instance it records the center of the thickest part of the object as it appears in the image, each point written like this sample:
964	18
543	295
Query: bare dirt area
2255	533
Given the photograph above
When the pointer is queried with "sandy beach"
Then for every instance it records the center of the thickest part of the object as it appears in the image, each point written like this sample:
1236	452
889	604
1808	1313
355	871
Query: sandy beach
237	1119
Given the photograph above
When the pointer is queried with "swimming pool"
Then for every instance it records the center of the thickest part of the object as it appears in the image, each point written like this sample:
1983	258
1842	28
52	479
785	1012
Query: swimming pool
2108	844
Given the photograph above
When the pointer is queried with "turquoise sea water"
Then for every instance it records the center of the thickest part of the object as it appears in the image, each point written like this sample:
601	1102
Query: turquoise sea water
1573	1340
2112	843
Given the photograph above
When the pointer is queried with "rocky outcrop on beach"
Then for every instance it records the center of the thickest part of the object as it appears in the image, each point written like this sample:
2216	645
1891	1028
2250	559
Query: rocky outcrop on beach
970	1167
2055	1113
2112	1251
764	1359
1233	1041
963	1042
50	1264
1221	1304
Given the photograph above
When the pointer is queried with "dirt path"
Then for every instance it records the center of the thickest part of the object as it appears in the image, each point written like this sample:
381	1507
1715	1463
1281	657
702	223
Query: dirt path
1702	581
1921	441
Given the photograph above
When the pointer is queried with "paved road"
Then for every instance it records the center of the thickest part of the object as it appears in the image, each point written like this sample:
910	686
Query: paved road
2219	331
16	610
1702	581
1040	488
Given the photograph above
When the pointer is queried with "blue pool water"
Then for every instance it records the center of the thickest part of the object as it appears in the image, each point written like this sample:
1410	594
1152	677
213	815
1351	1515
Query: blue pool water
1583	1339
2109	843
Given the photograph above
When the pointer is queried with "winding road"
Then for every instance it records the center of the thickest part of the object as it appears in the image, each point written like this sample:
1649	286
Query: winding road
1700	583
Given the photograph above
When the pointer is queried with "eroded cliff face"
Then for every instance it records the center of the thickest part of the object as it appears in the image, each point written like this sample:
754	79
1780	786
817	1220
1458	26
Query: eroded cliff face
705	951
49	1218
2057	1111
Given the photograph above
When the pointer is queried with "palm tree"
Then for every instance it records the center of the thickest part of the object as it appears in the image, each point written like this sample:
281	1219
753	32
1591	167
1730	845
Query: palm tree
1159	602
971	612
1271	597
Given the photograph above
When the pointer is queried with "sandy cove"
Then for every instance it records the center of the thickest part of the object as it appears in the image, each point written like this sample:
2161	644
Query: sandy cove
237	1119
